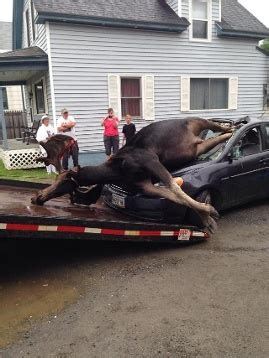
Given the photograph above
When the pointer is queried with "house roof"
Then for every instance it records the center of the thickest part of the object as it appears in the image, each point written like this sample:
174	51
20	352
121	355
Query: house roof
17	67
140	14
5	36
237	20
146	14
28	52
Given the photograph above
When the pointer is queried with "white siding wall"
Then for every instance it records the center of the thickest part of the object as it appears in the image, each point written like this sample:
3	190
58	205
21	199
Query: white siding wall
40	30
82	58
40	41
173	4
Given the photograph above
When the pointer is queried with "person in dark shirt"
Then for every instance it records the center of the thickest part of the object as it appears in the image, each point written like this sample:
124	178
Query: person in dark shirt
128	129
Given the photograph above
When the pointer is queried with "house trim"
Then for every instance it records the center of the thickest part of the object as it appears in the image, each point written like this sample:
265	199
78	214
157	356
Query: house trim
230	93
52	92
17	24
43	79
242	34
209	24
108	22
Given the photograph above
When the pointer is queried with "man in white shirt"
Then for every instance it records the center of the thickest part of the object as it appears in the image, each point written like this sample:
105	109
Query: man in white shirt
66	125
45	131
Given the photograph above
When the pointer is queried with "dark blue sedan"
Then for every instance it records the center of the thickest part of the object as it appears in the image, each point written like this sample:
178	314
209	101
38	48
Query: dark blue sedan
231	174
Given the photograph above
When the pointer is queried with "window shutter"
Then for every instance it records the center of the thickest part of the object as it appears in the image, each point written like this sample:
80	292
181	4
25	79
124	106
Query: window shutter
114	94
185	94
148	98
233	92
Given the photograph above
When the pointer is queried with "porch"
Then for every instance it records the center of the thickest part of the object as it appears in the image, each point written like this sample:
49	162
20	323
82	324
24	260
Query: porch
20	67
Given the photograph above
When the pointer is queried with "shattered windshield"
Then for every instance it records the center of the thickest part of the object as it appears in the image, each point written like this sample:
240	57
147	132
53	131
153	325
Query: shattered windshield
215	152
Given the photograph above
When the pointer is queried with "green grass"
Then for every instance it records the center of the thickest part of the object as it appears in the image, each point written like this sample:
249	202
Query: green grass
24	174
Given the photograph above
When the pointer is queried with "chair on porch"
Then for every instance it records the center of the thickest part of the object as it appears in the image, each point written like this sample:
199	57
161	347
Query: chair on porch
30	132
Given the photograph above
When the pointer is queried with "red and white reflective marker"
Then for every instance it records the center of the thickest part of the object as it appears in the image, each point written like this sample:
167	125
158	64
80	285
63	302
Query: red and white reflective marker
181	234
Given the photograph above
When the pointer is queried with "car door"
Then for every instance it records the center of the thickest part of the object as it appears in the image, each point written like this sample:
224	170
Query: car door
245	170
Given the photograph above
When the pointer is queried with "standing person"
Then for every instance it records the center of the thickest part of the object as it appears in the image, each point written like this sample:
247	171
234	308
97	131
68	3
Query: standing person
128	130
66	125
111	132
45	131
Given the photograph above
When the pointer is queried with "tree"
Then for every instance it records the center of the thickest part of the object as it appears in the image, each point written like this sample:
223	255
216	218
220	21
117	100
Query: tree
265	44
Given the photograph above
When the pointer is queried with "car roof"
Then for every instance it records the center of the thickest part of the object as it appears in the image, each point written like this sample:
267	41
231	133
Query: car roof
241	121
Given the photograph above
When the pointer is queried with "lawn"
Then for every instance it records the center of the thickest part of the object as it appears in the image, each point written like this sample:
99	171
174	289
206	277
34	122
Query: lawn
25	174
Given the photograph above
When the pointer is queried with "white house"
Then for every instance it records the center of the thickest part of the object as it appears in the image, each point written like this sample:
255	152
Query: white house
13	99
155	59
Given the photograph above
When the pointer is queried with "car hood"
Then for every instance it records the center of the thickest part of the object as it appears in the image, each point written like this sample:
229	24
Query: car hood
192	168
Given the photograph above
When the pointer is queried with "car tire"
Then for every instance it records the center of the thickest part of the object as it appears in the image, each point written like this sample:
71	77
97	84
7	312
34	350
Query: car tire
205	196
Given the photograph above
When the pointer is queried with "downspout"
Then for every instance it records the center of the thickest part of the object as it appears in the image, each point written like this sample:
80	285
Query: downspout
3	121
52	93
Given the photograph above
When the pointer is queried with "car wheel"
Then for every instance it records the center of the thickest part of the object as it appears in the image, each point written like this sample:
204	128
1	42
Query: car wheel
205	196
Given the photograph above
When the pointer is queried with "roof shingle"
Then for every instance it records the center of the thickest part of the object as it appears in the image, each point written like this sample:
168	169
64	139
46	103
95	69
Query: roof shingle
147	11
236	17
33	52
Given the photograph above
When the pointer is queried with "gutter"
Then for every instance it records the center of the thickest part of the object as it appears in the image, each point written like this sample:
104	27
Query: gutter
107	22
242	34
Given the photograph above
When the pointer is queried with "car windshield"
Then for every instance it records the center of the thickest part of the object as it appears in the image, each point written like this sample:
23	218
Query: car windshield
215	152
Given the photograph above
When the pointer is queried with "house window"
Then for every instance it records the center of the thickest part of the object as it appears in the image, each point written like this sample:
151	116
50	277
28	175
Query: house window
131	97
209	93
5	99
39	97
200	19
27	18
33	19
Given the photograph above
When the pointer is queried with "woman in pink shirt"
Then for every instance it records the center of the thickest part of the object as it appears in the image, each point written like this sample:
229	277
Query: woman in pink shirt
111	132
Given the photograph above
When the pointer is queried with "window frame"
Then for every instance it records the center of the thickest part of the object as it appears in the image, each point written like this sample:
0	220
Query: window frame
210	78
5	98
231	105
140	78
209	23
35	105
260	131
265	136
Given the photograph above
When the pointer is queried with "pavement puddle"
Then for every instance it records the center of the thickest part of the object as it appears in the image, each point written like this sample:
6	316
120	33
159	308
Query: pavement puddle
22	303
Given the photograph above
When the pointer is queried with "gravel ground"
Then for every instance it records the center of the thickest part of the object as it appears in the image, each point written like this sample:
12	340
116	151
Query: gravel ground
83	299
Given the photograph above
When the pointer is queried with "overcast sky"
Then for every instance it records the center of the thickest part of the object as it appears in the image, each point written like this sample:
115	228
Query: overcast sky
260	8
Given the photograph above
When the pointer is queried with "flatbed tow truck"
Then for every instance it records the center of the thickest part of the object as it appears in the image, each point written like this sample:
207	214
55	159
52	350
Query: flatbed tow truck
59	219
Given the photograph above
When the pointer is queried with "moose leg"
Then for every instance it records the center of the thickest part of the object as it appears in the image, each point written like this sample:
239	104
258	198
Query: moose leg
215	127
166	193
208	144
157	170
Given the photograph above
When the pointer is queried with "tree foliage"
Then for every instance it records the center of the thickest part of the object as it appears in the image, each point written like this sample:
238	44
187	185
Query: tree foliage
265	44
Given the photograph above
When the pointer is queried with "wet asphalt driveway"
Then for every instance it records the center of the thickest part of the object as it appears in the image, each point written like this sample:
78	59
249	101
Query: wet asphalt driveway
83	299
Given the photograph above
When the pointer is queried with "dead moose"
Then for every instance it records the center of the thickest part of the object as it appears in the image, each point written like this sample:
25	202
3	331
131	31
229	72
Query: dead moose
155	150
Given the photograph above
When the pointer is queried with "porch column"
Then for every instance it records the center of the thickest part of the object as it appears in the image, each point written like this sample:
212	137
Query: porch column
3	121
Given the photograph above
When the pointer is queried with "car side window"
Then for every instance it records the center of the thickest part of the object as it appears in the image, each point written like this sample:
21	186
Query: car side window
267	135
249	143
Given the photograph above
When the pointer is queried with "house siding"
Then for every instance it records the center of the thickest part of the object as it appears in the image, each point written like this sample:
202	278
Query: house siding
41	39
83	56
173	4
